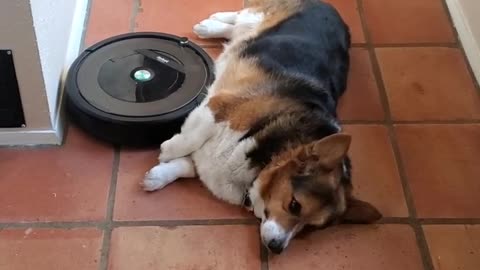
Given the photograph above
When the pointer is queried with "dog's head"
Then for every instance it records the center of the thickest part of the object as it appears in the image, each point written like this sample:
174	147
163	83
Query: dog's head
307	186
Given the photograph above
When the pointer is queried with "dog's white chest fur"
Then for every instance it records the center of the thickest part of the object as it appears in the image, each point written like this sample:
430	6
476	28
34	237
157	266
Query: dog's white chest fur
222	165
212	151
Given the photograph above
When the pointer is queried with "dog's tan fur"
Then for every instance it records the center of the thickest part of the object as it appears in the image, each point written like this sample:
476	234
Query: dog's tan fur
241	112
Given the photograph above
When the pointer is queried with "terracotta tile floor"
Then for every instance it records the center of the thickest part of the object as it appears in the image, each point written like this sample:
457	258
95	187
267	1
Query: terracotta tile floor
413	110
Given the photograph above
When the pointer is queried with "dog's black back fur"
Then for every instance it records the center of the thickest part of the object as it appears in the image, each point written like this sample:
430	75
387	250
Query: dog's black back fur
307	54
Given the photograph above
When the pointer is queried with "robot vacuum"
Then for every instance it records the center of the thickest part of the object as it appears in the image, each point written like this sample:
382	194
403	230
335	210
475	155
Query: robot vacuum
137	89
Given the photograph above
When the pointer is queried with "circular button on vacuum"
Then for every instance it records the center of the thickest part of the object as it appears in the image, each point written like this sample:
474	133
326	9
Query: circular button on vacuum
137	89
142	75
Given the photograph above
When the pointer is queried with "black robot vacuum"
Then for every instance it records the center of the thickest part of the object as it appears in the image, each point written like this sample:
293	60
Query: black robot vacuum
137	89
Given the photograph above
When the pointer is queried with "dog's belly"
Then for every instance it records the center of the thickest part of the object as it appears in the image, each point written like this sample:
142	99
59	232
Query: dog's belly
222	165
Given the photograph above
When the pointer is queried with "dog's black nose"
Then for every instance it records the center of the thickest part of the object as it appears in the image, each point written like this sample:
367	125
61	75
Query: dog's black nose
276	246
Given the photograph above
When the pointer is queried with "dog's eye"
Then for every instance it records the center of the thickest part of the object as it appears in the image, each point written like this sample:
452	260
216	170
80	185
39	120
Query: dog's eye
295	207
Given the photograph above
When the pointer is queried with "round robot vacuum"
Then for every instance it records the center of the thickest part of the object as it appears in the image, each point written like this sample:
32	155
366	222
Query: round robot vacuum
137	89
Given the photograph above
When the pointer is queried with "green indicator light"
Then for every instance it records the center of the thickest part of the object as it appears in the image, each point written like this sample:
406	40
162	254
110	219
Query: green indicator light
142	75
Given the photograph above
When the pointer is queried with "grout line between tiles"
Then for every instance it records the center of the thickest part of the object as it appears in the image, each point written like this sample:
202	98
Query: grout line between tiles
137	5
107	233
263	257
375	66
114	224
436	122
263	253
449	221
176	223
414	122
113	185
419	235
105	251
362	122
423	246
209	222
364	45
416	45
53	225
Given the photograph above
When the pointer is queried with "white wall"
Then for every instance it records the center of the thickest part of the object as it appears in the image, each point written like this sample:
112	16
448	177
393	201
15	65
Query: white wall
472	14
466	17
58	42
45	36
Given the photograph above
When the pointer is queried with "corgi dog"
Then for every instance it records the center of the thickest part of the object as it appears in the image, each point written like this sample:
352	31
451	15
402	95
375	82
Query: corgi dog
267	137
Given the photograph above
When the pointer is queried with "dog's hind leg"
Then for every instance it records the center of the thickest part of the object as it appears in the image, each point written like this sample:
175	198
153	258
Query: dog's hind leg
167	172
228	24
219	25
213	28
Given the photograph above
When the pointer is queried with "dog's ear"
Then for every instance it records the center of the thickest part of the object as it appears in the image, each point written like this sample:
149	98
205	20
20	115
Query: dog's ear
360	212
326	153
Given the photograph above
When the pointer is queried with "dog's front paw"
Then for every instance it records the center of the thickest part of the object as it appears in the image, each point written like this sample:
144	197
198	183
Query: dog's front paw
156	178
151	184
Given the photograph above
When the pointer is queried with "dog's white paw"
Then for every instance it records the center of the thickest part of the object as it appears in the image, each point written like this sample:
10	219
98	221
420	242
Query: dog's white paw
152	184
210	28
225	17
157	178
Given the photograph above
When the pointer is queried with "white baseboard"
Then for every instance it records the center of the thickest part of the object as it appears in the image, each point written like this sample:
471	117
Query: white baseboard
20	136
465	33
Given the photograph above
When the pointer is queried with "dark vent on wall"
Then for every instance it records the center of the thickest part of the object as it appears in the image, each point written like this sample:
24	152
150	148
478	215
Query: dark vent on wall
11	112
